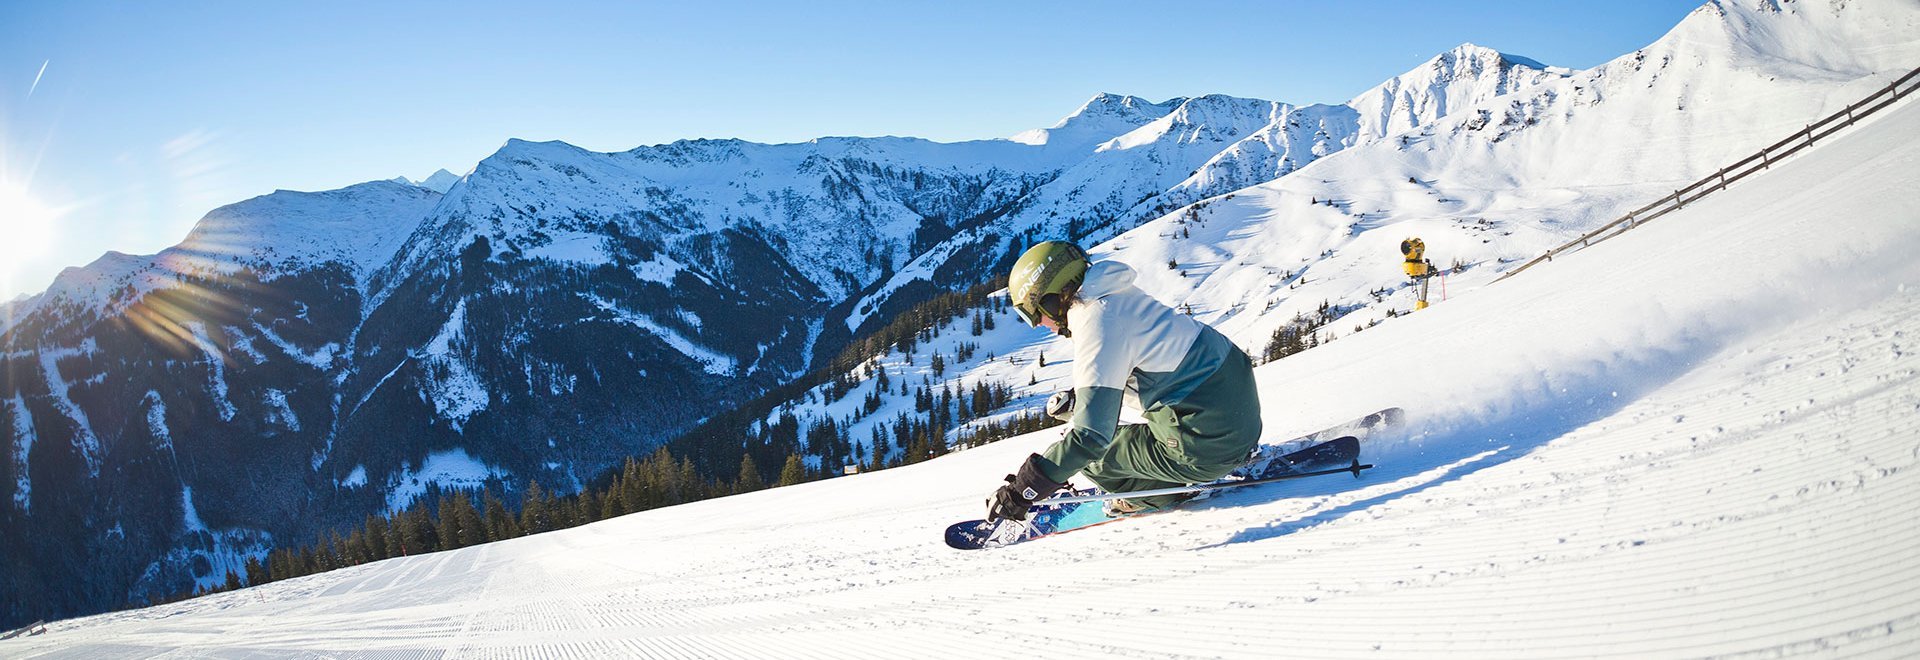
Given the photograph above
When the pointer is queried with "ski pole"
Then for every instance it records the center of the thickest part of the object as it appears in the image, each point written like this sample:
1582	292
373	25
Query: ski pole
1198	488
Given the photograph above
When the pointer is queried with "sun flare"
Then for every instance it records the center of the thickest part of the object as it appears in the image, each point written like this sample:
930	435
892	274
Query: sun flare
26	223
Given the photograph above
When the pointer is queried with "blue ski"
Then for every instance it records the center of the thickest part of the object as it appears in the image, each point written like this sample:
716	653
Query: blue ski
1330	451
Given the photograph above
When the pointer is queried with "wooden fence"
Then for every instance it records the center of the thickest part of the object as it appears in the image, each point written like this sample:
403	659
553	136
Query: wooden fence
30	630
1745	167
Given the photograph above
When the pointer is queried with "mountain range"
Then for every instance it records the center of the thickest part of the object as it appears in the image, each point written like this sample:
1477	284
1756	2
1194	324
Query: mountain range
304	360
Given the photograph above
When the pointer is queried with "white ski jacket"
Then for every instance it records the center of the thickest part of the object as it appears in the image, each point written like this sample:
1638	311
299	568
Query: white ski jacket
1128	349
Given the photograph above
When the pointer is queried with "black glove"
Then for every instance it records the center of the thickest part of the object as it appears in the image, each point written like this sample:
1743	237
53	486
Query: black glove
1013	499
1060	406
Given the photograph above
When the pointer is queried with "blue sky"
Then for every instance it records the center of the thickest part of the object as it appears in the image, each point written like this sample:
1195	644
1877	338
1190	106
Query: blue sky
122	123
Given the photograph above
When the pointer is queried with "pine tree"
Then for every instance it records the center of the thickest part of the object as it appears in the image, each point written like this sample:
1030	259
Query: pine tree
334	558
691	487
749	479
632	488
587	503
611	506
447	525
396	536
468	528
499	523
257	572
377	546
279	564
534	515
356	548
793	472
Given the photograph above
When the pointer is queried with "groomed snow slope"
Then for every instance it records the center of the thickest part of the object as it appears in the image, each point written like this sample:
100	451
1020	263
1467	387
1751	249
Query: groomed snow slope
1697	439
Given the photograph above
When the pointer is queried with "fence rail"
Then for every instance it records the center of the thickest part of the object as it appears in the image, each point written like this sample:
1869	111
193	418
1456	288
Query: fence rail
1745	167
30	630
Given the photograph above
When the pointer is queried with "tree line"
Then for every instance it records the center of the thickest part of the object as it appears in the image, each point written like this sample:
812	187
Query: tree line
449	519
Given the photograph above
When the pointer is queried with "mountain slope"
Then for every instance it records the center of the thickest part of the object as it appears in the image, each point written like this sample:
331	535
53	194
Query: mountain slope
1604	461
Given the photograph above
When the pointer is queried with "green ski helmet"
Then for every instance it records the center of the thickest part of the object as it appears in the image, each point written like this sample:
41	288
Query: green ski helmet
1042	279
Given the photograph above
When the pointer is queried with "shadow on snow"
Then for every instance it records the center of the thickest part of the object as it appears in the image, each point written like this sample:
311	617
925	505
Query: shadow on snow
1436	450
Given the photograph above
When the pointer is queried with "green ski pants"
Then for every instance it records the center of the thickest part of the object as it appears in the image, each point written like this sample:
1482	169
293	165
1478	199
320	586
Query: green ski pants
1203	437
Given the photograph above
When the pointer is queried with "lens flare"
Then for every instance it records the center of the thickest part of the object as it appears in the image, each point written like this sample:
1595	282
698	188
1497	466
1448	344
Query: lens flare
26	224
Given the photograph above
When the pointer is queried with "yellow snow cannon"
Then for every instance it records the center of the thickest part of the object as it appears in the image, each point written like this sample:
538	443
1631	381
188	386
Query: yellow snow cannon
1414	250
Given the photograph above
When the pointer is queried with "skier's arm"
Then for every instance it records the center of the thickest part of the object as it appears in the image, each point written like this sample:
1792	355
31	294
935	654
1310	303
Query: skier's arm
1096	415
1104	352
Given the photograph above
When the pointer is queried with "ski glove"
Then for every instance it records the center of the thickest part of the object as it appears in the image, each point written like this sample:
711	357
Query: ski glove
1013	499
1060	406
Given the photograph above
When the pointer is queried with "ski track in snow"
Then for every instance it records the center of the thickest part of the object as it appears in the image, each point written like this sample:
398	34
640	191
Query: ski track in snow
1724	480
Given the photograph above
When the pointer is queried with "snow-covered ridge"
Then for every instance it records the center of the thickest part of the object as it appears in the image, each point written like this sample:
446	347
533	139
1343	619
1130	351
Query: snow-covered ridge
440	181
12	310
1101	118
1452	81
358	227
1116	159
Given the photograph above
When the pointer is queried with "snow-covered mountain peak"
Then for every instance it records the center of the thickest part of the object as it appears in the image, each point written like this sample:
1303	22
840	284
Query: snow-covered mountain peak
1473	55
1728	79
516	148
359	226
12	310
1449	82
1842	39
1118	105
1210	118
1101	118
439	181
79	284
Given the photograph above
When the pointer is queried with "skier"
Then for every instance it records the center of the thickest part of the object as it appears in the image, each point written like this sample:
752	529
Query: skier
1194	387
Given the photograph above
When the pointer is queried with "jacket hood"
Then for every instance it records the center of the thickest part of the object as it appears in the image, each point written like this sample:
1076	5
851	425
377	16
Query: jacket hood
1105	277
